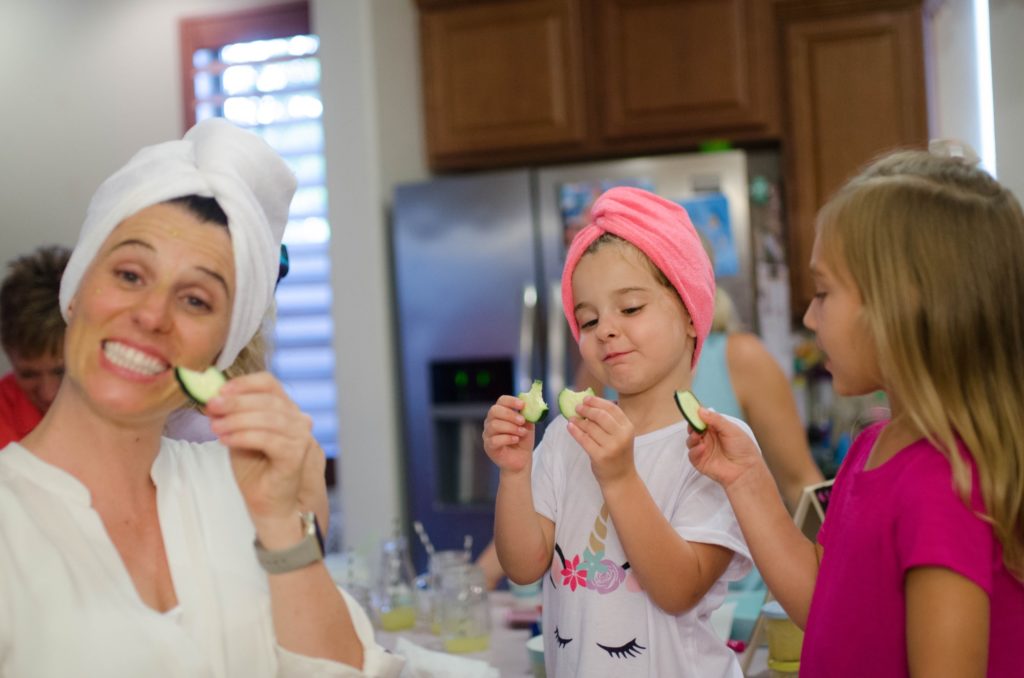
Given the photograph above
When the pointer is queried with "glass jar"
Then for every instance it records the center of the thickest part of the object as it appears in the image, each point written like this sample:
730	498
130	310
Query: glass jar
394	602
465	615
430	588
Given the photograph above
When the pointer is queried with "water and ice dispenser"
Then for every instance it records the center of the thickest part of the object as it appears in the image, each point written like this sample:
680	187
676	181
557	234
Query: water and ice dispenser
461	393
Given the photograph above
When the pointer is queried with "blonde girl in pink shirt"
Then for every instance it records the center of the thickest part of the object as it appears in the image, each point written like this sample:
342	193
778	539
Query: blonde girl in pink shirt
918	568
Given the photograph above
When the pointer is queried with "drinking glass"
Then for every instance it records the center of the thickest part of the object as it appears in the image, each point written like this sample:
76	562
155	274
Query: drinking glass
465	616
394	603
430	591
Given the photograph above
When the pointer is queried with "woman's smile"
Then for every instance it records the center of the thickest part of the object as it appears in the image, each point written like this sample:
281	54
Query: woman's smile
132	361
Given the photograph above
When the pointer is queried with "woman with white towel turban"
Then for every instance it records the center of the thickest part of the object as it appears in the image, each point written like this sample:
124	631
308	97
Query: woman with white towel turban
123	553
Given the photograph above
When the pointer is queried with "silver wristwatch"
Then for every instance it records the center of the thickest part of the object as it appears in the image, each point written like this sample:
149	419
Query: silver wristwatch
306	552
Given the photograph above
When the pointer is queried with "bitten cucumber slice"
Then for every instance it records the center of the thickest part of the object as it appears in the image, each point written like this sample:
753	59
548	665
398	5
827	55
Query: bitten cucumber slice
688	405
200	386
569	400
535	409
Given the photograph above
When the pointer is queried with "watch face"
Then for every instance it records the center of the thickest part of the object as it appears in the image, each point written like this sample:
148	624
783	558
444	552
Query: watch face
319	534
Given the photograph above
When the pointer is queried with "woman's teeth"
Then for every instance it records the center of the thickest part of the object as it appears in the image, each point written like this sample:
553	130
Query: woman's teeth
132	359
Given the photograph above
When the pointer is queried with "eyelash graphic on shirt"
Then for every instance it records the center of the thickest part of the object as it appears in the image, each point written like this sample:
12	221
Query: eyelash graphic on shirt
630	649
562	642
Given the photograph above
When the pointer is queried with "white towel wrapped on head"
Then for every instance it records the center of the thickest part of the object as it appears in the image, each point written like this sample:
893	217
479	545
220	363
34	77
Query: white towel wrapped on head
215	159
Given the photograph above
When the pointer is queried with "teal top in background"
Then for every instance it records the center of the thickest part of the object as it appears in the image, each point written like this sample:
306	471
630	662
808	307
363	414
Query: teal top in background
712	386
711	383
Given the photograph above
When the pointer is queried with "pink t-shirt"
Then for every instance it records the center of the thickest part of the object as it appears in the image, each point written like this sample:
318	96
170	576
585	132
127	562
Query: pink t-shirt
881	523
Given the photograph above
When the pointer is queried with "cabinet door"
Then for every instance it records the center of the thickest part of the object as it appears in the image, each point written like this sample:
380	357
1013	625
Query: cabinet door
693	67
501	76
855	88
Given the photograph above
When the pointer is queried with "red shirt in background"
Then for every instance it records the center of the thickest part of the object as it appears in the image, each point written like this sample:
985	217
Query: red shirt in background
18	416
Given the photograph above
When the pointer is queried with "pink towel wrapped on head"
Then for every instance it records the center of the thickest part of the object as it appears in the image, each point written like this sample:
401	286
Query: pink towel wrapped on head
662	230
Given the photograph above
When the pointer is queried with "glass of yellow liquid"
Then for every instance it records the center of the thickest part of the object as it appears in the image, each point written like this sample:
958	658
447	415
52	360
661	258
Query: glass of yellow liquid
465	615
393	599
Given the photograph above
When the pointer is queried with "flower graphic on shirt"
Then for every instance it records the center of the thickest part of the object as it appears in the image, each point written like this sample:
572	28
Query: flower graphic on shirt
592	561
607	579
573	577
603	575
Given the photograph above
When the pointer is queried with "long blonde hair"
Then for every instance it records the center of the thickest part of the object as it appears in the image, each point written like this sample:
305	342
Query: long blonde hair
934	246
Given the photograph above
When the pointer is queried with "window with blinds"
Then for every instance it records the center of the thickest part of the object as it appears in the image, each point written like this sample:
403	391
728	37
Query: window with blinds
260	70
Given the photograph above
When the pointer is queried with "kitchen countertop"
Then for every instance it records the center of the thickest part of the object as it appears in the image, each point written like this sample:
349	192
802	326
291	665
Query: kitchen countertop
507	652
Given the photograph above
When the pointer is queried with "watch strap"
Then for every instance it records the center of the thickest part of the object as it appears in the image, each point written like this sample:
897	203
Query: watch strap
308	551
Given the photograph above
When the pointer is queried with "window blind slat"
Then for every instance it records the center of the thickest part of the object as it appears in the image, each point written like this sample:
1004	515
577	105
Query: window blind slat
285	109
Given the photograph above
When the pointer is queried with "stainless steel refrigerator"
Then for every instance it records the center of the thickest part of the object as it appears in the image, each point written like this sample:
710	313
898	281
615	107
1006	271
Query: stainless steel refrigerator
477	261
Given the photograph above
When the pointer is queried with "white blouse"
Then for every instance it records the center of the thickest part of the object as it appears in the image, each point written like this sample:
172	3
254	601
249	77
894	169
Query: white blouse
68	605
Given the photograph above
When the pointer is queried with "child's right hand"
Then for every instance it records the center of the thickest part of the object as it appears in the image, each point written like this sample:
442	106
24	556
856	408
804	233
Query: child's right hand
724	452
508	437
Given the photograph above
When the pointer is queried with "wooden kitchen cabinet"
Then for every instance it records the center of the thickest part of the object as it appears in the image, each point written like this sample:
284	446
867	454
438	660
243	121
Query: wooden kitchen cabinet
671	69
854	88
541	81
500	77
532	82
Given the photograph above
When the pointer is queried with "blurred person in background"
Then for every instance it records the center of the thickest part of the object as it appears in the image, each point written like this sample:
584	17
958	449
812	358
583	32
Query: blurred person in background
32	331
739	377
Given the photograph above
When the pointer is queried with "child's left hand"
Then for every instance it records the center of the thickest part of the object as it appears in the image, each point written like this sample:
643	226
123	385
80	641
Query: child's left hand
606	434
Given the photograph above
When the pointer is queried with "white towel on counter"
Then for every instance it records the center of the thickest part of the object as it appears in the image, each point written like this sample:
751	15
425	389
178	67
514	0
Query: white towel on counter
423	663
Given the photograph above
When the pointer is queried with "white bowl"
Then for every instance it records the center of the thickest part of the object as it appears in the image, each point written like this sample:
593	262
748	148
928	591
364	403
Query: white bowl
535	648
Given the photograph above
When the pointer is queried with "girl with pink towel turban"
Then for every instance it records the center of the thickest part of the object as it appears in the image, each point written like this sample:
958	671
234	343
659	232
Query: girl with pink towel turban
637	546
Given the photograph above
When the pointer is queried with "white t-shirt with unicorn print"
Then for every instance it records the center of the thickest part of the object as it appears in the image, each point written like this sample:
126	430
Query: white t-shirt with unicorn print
597	621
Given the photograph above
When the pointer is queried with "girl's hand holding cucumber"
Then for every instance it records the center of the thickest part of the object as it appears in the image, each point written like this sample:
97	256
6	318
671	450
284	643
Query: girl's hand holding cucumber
606	435
722	451
508	436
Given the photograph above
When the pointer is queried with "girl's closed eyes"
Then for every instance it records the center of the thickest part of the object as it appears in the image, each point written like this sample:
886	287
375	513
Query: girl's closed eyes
628	311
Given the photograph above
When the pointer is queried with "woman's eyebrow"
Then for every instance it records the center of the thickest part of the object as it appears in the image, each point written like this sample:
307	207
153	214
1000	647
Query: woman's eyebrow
217	277
133	242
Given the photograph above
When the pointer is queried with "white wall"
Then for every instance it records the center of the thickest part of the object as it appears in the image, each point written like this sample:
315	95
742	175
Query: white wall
372	122
86	84
1006	18
953	86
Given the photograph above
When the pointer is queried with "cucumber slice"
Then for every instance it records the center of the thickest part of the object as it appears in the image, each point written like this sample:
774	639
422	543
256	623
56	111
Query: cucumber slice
535	409
688	405
200	386
569	400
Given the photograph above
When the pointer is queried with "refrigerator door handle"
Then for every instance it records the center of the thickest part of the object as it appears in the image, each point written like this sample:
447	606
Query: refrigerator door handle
556	344
527	322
